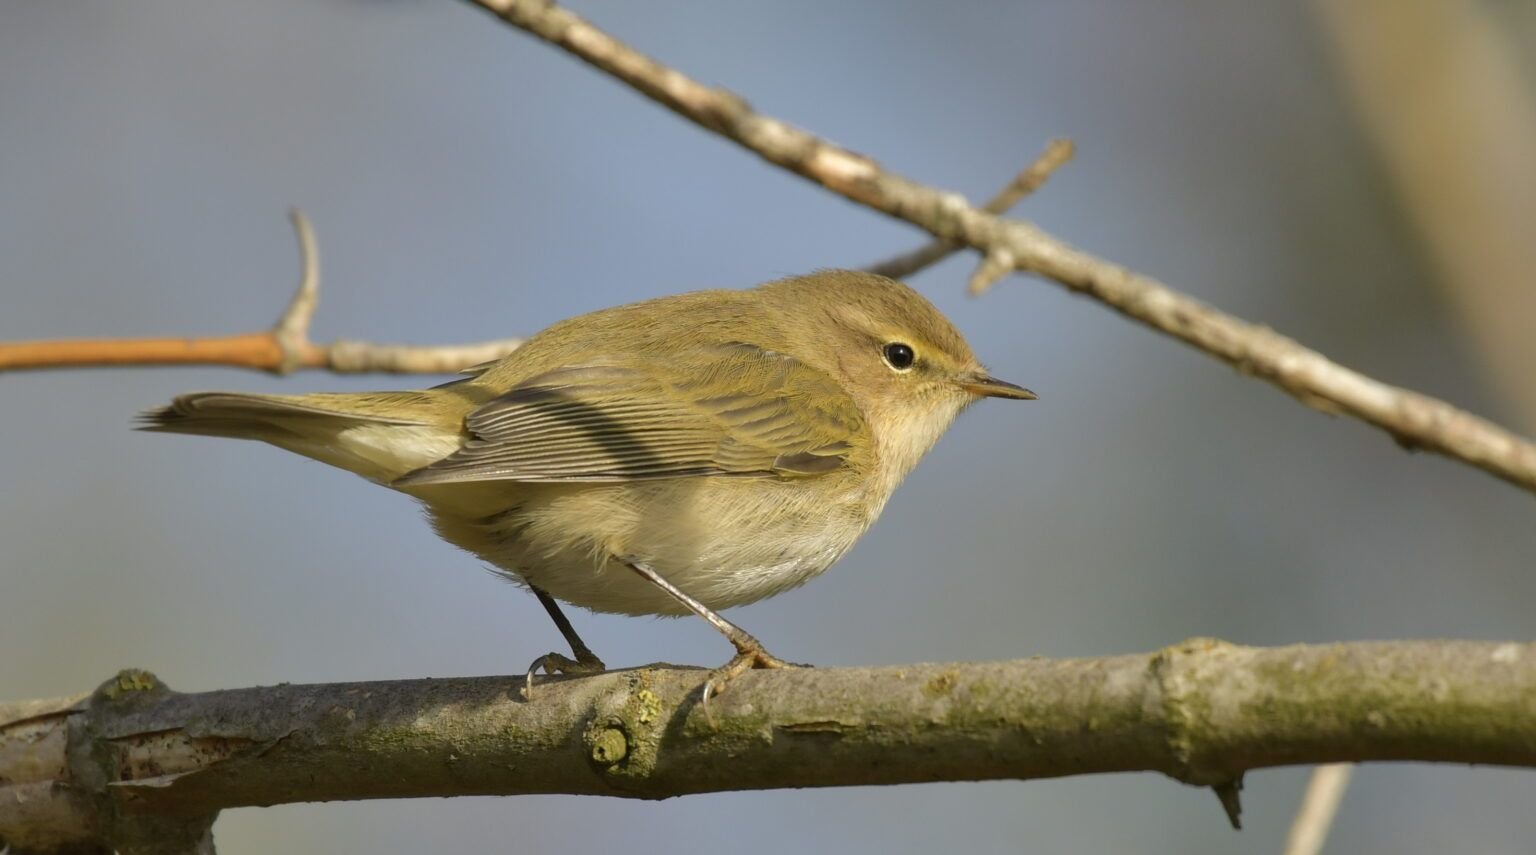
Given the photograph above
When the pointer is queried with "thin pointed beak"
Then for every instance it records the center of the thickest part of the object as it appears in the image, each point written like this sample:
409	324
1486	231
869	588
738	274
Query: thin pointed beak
988	386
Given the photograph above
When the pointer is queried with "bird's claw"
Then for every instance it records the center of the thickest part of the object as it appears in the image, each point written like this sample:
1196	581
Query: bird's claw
741	663
555	663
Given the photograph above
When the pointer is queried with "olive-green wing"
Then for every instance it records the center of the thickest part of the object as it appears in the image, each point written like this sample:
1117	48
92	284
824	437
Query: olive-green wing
730	410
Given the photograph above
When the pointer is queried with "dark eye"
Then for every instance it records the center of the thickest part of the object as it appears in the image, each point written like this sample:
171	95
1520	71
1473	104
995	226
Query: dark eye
899	356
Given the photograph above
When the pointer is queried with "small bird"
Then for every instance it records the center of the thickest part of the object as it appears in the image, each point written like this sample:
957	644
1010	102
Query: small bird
680	455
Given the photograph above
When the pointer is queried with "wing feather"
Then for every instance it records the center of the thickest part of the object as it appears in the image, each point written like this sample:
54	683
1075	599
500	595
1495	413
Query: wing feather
733	410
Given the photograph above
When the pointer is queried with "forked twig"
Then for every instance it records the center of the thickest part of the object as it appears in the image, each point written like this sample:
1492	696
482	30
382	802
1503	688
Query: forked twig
281	350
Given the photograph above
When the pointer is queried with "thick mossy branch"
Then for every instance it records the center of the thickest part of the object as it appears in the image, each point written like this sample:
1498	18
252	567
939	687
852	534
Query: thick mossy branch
1202	712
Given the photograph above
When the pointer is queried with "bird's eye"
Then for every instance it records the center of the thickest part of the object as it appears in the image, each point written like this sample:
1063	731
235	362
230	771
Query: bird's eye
899	356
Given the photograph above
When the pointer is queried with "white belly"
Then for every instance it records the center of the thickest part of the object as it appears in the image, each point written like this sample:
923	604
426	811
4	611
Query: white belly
725	542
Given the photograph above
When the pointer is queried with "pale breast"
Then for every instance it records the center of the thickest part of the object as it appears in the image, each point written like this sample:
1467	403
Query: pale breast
904	435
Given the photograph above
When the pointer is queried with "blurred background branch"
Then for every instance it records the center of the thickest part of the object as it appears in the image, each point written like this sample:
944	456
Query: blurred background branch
1441	96
1319	805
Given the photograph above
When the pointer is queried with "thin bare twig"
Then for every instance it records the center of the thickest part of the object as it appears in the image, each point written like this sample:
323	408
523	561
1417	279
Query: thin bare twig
1319	805
292	328
281	350
994	265
1057	153
1415	420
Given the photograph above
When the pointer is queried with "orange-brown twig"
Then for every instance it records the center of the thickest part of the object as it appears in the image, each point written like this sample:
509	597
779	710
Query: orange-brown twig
283	349
245	350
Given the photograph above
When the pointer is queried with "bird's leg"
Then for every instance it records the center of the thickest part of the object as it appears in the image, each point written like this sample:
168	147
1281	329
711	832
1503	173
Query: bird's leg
750	652
586	662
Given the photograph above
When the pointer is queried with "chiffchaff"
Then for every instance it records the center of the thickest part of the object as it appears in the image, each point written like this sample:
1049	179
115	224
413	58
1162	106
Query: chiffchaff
684	454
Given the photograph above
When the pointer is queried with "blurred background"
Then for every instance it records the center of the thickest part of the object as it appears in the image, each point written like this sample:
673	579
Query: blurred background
1358	175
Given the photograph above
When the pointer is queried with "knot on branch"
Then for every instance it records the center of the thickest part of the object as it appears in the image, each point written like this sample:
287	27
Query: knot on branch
1182	680
94	767
609	743
1183	703
623	738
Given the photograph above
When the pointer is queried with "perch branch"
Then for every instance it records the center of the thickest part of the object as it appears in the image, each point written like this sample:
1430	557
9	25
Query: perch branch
1413	419
1203	712
281	350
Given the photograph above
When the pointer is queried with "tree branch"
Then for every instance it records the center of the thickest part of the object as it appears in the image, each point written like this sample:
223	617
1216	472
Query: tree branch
1325	789
281	350
1414	420
1203	712
1056	154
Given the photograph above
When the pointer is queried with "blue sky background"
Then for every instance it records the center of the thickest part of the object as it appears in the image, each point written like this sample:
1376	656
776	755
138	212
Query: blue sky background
467	182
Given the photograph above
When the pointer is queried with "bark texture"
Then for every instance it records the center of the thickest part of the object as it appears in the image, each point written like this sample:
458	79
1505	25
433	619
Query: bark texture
136	761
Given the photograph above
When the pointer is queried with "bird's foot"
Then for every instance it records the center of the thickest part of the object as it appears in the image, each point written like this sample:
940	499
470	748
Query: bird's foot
748	657
554	663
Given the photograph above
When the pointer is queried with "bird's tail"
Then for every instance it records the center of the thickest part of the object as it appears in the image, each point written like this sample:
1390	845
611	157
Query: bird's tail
379	435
